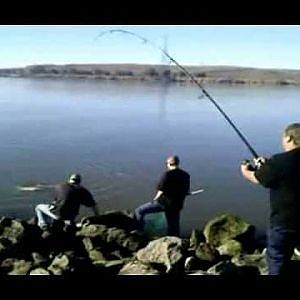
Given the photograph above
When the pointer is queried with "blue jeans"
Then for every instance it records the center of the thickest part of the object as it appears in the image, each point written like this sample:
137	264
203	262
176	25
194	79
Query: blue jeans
44	215
280	248
172	216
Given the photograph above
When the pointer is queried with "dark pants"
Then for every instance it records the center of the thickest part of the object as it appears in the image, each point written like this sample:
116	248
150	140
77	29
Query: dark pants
172	216
281	244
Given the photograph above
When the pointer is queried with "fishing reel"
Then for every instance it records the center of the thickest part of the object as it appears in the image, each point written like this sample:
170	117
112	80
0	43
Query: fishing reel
257	164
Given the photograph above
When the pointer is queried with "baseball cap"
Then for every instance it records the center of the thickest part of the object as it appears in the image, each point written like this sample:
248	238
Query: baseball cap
75	178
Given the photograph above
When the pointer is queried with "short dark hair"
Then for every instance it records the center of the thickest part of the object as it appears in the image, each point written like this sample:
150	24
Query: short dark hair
293	130
173	160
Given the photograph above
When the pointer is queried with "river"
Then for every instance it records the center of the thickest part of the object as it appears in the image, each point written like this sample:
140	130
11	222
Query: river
117	134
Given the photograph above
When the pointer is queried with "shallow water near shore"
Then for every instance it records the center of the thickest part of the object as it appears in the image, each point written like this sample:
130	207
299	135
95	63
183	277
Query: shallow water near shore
117	134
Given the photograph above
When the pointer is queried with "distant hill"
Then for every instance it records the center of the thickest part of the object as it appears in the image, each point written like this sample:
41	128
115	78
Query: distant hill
203	74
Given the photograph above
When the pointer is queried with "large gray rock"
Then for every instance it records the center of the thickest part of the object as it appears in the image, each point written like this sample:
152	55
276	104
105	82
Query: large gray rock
12	266
228	227
166	251
138	268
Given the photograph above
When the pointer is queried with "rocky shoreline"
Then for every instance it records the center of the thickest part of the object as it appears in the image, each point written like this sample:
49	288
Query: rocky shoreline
109	245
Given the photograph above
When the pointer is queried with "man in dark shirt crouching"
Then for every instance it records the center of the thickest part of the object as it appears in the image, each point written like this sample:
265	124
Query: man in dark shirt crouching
172	189
66	204
281	174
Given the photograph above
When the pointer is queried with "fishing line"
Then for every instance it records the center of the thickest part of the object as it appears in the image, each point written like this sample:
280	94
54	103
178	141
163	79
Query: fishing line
189	75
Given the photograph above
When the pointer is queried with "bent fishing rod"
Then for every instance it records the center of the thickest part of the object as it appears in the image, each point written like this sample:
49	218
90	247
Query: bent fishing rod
189	75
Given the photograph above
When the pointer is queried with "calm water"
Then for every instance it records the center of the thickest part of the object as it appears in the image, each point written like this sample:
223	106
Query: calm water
118	134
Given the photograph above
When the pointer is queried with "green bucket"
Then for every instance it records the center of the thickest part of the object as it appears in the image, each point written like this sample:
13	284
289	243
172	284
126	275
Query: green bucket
155	224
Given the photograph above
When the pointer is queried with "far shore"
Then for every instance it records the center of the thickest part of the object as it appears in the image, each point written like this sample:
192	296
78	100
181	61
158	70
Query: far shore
134	72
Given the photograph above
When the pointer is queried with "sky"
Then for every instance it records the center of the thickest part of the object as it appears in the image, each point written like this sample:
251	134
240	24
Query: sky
246	46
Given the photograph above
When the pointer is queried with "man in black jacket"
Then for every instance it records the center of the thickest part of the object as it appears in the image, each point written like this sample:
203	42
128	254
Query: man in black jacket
281	174
66	204
172	189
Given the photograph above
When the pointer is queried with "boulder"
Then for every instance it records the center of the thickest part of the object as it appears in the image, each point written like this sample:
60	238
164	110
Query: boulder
111	267
199	272
119	219
230	248
39	259
115	235
92	231
192	263
57	242
228	227
227	268
138	268
60	265
206	252
96	255
12	230
39	271
223	268
88	244
252	260
12	266
196	238
166	251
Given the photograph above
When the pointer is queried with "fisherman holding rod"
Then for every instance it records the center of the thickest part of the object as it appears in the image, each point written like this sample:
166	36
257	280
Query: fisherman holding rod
281	174
172	189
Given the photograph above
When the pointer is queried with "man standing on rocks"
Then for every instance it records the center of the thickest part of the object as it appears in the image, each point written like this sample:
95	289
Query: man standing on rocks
281	174
67	200
172	189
